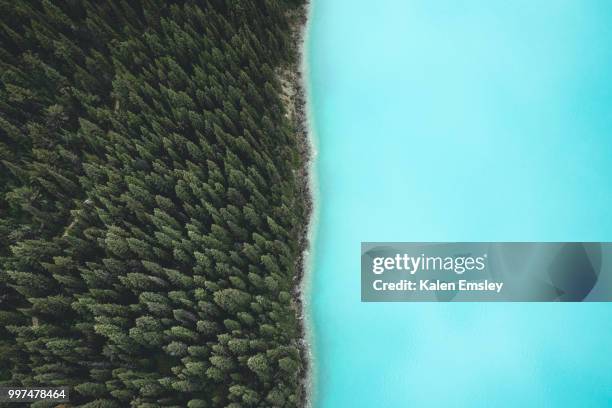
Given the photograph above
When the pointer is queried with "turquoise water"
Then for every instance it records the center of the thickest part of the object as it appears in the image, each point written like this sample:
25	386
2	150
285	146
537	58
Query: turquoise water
444	120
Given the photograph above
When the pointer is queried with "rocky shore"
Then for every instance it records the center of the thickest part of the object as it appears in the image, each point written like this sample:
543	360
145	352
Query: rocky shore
294	95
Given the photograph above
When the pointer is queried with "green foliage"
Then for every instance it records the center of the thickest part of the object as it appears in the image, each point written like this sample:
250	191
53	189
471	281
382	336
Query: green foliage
151	204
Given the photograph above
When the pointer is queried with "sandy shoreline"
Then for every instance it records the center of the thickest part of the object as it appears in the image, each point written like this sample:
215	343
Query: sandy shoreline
293	80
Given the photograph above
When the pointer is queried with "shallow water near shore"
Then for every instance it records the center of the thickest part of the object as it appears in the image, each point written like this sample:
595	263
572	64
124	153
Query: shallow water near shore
458	121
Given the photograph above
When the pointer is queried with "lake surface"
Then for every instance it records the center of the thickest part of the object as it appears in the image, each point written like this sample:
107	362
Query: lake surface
445	120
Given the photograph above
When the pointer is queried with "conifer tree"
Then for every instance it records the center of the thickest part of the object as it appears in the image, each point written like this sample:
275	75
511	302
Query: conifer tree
150	202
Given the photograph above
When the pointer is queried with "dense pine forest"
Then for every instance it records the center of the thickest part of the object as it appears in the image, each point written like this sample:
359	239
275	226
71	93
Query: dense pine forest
153	203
